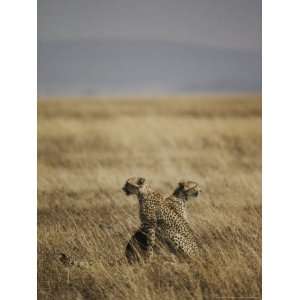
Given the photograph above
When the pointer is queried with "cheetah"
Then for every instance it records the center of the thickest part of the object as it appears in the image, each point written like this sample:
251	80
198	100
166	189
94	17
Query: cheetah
138	244
158	221
185	191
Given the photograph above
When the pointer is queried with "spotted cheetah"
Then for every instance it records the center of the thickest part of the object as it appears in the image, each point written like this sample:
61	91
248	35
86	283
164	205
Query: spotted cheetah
158	221
185	191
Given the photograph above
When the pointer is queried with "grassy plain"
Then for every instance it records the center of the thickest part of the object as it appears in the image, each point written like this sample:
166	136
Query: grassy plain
87	148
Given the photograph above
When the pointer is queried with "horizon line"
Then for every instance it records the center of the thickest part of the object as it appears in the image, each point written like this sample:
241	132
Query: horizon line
141	97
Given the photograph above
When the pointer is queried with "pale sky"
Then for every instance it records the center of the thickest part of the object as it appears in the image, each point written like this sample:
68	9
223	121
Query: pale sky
165	46
222	23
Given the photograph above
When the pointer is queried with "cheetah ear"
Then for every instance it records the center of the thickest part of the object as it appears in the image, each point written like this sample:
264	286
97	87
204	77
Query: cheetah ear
141	181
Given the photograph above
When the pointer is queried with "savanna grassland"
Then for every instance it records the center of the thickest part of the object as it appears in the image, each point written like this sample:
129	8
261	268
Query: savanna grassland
87	148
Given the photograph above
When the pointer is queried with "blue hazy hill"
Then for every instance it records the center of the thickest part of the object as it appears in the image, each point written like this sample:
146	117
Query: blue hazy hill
87	67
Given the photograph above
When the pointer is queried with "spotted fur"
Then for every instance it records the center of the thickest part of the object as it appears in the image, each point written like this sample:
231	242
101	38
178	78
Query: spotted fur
184	192
158	221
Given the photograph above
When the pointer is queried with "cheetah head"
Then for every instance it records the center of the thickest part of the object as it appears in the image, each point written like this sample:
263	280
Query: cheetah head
133	185
187	190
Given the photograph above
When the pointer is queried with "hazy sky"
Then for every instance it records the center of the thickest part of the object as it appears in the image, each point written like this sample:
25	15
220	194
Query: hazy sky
218	24
223	23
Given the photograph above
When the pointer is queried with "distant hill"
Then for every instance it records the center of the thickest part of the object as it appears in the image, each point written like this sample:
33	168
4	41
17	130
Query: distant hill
71	68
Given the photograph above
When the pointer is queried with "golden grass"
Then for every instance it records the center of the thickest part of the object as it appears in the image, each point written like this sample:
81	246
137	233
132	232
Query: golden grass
88	148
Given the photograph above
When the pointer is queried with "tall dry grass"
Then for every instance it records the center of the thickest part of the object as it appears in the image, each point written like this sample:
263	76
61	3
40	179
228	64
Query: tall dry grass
88	148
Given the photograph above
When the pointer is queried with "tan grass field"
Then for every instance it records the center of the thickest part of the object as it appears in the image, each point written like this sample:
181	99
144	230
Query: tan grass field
87	149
